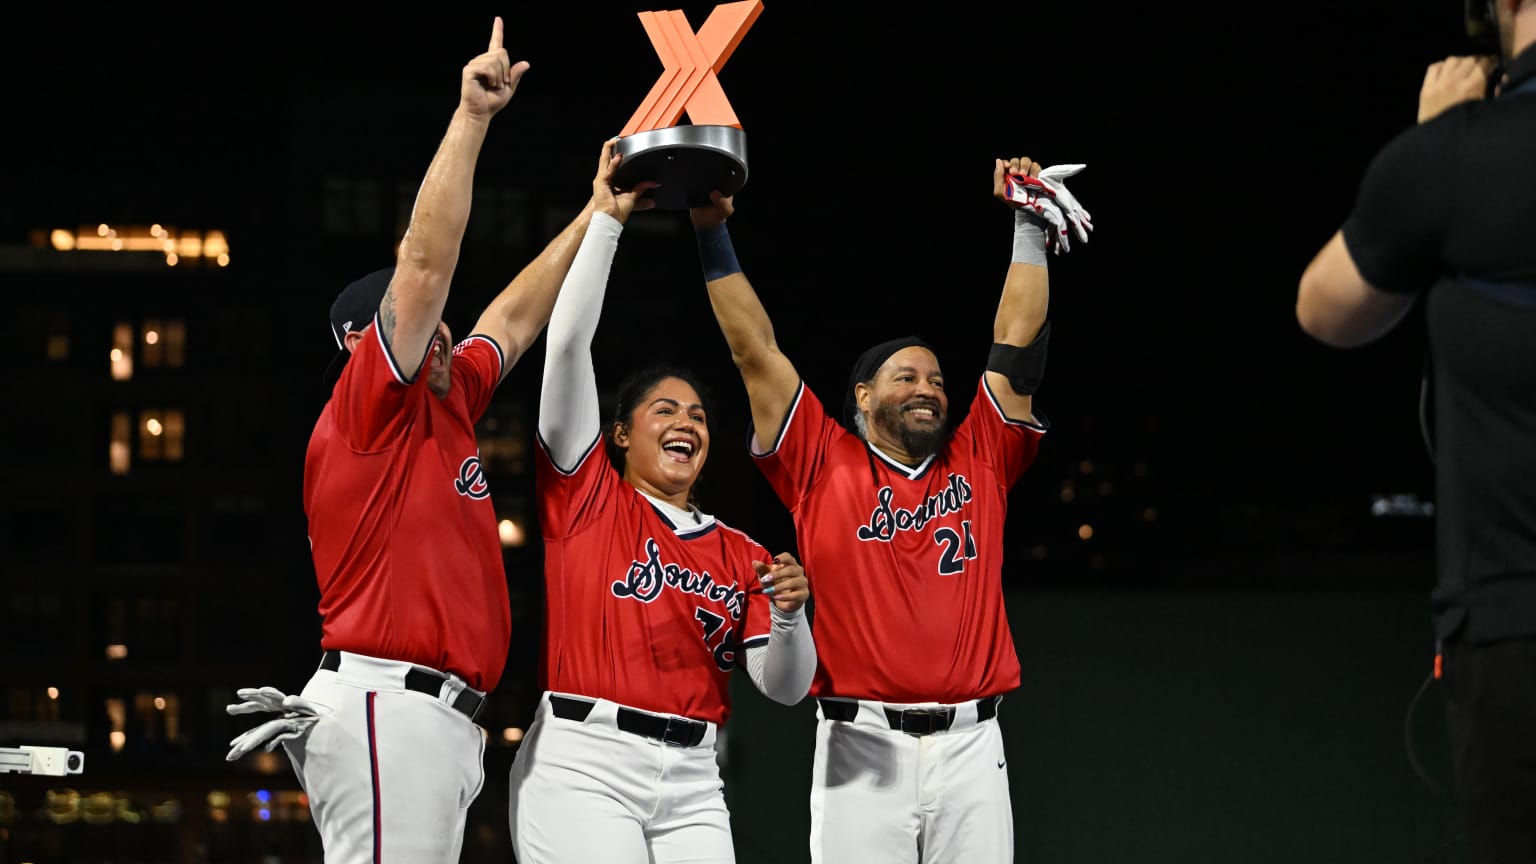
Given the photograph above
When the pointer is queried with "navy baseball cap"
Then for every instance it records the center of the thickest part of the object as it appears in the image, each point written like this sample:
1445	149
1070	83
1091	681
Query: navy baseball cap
868	364
354	309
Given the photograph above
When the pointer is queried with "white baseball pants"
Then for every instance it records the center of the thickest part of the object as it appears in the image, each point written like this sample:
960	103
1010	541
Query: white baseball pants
390	773
585	791
882	795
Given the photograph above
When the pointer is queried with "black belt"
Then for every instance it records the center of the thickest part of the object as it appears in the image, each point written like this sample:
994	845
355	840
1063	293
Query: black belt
677	731
468	702
913	721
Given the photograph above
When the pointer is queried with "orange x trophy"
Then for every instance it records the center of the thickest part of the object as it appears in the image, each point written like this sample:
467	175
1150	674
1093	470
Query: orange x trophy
688	161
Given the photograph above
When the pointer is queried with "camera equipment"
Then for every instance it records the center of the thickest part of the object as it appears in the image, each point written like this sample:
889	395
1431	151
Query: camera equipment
48	761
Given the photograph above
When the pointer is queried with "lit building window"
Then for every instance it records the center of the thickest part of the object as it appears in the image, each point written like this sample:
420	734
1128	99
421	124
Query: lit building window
150	431
175	340
174	435
218	806
47	706
122	352
163	343
158	714
162	435
151	342
156	240
117	717
119	456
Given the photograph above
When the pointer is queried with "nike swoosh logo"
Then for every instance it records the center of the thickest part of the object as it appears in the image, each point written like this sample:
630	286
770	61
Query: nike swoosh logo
1001	764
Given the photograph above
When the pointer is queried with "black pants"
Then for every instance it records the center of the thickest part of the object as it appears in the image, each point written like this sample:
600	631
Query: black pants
1490	694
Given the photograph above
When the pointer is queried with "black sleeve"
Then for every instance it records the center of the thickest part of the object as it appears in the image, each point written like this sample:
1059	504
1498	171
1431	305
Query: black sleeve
1397	230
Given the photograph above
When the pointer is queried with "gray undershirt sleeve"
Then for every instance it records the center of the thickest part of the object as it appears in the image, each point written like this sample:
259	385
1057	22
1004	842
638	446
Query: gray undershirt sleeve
783	668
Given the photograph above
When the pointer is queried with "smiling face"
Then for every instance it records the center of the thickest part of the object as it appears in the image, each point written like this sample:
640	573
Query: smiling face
906	412
665	441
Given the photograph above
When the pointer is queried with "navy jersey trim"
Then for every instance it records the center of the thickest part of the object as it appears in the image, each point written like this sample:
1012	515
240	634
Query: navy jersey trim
908	471
585	455
1041	423
789	417
394	365
501	358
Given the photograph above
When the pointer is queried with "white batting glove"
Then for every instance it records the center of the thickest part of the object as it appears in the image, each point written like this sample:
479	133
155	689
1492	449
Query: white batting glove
298	715
257	699
271	734
1077	215
270	699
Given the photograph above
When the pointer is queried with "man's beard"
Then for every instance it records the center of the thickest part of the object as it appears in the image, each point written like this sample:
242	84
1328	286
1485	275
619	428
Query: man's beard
917	442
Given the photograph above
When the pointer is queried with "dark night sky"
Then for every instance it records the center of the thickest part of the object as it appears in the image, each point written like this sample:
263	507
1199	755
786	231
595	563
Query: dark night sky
1221	154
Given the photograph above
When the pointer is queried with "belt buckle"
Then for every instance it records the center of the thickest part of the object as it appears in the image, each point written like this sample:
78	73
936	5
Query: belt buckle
934	720
677	732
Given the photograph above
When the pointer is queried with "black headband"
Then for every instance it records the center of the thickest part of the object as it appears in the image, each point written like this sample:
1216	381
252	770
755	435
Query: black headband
868	364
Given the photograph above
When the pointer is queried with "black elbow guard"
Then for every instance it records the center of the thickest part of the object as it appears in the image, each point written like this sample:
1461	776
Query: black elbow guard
1023	366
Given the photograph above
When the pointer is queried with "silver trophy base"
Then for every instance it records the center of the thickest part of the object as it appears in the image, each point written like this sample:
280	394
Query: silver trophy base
688	161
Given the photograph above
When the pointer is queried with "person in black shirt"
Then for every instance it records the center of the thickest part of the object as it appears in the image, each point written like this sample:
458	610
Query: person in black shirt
1447	210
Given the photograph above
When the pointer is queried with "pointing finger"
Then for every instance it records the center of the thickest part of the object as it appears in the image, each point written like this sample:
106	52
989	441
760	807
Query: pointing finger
496	34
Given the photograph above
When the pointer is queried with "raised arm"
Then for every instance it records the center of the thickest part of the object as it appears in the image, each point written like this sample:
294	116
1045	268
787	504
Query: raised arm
569	415
521	310
770	378
1019	331
429	252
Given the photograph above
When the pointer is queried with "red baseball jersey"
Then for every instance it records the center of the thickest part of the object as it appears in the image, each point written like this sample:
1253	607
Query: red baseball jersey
401	524
905	564
638	610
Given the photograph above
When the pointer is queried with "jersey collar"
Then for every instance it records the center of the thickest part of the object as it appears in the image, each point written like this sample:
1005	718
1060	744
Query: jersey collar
911	472
684	523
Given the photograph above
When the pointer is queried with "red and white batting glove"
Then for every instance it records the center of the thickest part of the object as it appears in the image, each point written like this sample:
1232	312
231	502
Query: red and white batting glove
1035	197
